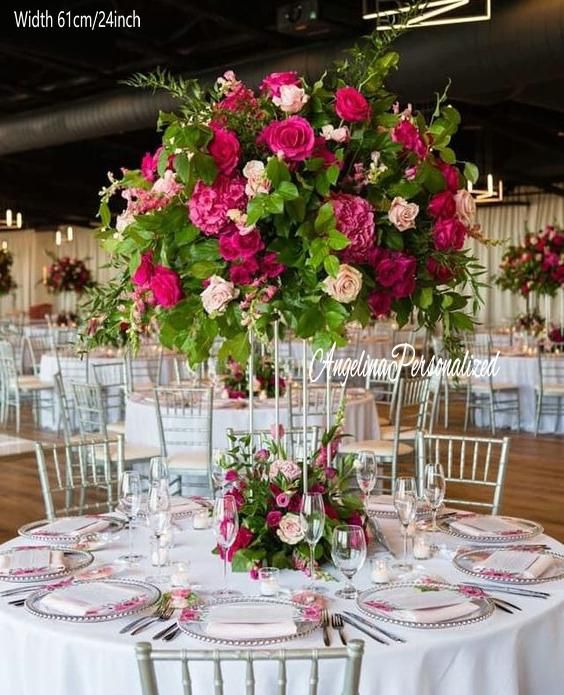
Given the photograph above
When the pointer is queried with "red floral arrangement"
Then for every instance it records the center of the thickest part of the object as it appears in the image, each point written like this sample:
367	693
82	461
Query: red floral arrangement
68	275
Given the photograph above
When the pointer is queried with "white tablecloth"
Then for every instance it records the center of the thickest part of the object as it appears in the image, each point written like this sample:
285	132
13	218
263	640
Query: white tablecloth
519	654
361	419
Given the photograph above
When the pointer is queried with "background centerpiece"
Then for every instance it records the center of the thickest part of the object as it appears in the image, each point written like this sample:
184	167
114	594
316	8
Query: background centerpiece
67	277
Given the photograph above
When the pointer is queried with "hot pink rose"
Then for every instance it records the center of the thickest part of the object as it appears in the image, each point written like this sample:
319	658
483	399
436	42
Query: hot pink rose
351	105
224	148
271	266
142	276
243	538
407	135
293	138
166	287
449	235
450	175
380	303
273	518
440	272
402	214
282	500
235	246
243	273
272	83
209	205
355	219
442	205
149	164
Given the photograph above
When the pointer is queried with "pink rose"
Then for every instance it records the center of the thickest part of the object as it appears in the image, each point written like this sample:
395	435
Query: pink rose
257	181
209	205
407	135
293	138
339	135
439	272
380	303
290	529
236	246
393	267
321	151
167	186
351	105
224	148
217	295
450	175
243	273
404	287
402	214
346	286
289	469
291	98
273	82
271	266
142	276
273	518
449	235
466	207
166	287
355	219
442	205
262	456
282	500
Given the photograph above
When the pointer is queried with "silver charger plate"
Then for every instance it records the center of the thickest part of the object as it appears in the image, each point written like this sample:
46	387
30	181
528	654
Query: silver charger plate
28	531
530	530
466	559
150	592
73	559
196	627
484	605
203	505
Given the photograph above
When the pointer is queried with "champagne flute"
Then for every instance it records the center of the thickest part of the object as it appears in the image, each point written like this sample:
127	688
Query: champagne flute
348	550
312	515
405	502
158	508
218	471
130	503
434	488
226	527
365	468
158	469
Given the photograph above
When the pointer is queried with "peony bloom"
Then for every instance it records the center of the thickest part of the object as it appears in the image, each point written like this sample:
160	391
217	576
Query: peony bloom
355	219
235	246
346	286
441	273
243	274
406	134
271	266
465	207
380	303
217	295
449	235
402	214
292	138
273	82
289	469
291	99
351	105
209	205
290	529
257	180
166	287
225	149
142	276
339	135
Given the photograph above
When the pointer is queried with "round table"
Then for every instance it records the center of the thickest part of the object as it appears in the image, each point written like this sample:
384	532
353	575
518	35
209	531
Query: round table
141	427
519	654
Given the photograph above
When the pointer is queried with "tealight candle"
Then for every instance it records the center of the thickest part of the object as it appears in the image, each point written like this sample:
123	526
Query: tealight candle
201	519
179	575
380	573
269	581
421	549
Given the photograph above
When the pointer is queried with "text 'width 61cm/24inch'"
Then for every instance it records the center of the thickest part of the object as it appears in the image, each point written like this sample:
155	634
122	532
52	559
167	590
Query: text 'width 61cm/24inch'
66	19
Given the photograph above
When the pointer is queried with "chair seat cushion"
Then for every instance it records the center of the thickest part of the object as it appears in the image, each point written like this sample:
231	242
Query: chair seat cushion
379	447
33	383
137	452
193	460
551	389
387	433
384	421
499	386
116	427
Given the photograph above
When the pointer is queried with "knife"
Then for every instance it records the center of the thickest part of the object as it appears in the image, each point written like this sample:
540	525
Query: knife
358	626
367	622
517	591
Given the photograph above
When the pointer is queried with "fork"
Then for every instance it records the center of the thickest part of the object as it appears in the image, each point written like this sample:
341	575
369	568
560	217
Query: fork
166	614
338	624
325	622
155	614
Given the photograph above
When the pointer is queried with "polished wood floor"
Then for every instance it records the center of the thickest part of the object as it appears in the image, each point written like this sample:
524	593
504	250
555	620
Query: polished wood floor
534	486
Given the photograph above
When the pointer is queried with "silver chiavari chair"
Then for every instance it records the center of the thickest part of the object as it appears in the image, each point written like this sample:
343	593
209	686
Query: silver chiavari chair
549	392
284	658
452	390
79	478
384	388
184	416
143	372
317	401
33	349
291	440
110	377
474	467
184	375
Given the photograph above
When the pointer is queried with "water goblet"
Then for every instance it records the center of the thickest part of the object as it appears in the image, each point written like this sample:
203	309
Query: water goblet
226	527
348	550
434	488
312	516
365	469
129	504
405	502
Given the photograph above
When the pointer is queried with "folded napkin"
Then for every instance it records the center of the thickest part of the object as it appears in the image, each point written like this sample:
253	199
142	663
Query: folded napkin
483	525
73	526
185	504
435	615
528	565
250	622
28	559
88	599
430	606
381	503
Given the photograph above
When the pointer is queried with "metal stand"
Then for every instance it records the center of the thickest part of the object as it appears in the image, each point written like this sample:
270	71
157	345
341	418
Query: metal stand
305	406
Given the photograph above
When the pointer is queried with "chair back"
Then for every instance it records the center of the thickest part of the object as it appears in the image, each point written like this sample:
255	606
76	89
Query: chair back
319	402
184	374
34	347
384	388
110	377
291	441
474	468
65	408
284	658
551	369
80	478
89	408
144	370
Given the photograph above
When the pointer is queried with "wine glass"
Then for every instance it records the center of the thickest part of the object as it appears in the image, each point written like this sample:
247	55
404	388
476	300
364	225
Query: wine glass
405	502
348	550
312	515
226	527
365	468
434	488
218	470
158	469
130	503
158	509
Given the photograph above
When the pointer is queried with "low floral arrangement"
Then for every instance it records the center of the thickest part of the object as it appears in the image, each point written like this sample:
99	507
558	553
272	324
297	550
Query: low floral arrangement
236	382
268	494
317	203
556	334
7	283
68	275
535	265
531	322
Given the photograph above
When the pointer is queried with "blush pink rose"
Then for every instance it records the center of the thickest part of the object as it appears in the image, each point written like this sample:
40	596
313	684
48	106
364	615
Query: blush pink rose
235	246
442	205
290	529
402	214
224	148
406	134
465	207
257	180
142	276
351	105
346	286
291	99
166	287
355	219
218	294
293	138
166	186
209	205
449	235
339	135
273	82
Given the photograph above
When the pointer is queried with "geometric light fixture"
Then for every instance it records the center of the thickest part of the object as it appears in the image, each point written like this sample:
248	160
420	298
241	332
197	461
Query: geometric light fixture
403	14
11	221
489	194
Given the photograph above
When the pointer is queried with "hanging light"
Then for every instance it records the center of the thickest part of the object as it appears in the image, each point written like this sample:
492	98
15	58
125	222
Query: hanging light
70	233
4	245
489	194
399	14
9	221
58	238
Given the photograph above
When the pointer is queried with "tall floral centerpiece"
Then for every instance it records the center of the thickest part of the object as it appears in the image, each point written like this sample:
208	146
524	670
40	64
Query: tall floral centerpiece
67	277
7	282
313	203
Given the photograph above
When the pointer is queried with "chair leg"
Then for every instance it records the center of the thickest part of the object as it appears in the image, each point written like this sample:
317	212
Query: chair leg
446	403
492	413
538	413
467	409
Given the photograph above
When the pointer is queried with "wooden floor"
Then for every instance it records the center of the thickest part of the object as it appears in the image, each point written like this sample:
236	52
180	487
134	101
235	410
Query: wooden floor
534	486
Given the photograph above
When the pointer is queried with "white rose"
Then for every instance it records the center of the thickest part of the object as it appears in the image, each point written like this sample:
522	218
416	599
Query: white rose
346	286
257	181
292	98
402	214
290	529
218	294
465	206
336	134
124	220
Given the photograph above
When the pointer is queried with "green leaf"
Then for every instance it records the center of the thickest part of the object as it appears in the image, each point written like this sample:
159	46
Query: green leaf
337	240
274	204
256	209
277	171
426	297
204	167
186	235
236	347
394	239
471	172
461	321
325	219
205	250
311	321
182	167
287	190
105	214
332	174
331	265
203	269
296	209
448	155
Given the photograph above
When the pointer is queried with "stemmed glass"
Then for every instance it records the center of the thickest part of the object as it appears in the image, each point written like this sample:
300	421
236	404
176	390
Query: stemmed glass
130	503
434	488
158	509
312	515
218	470
226	527
405	502
365	468
158	470
348	550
